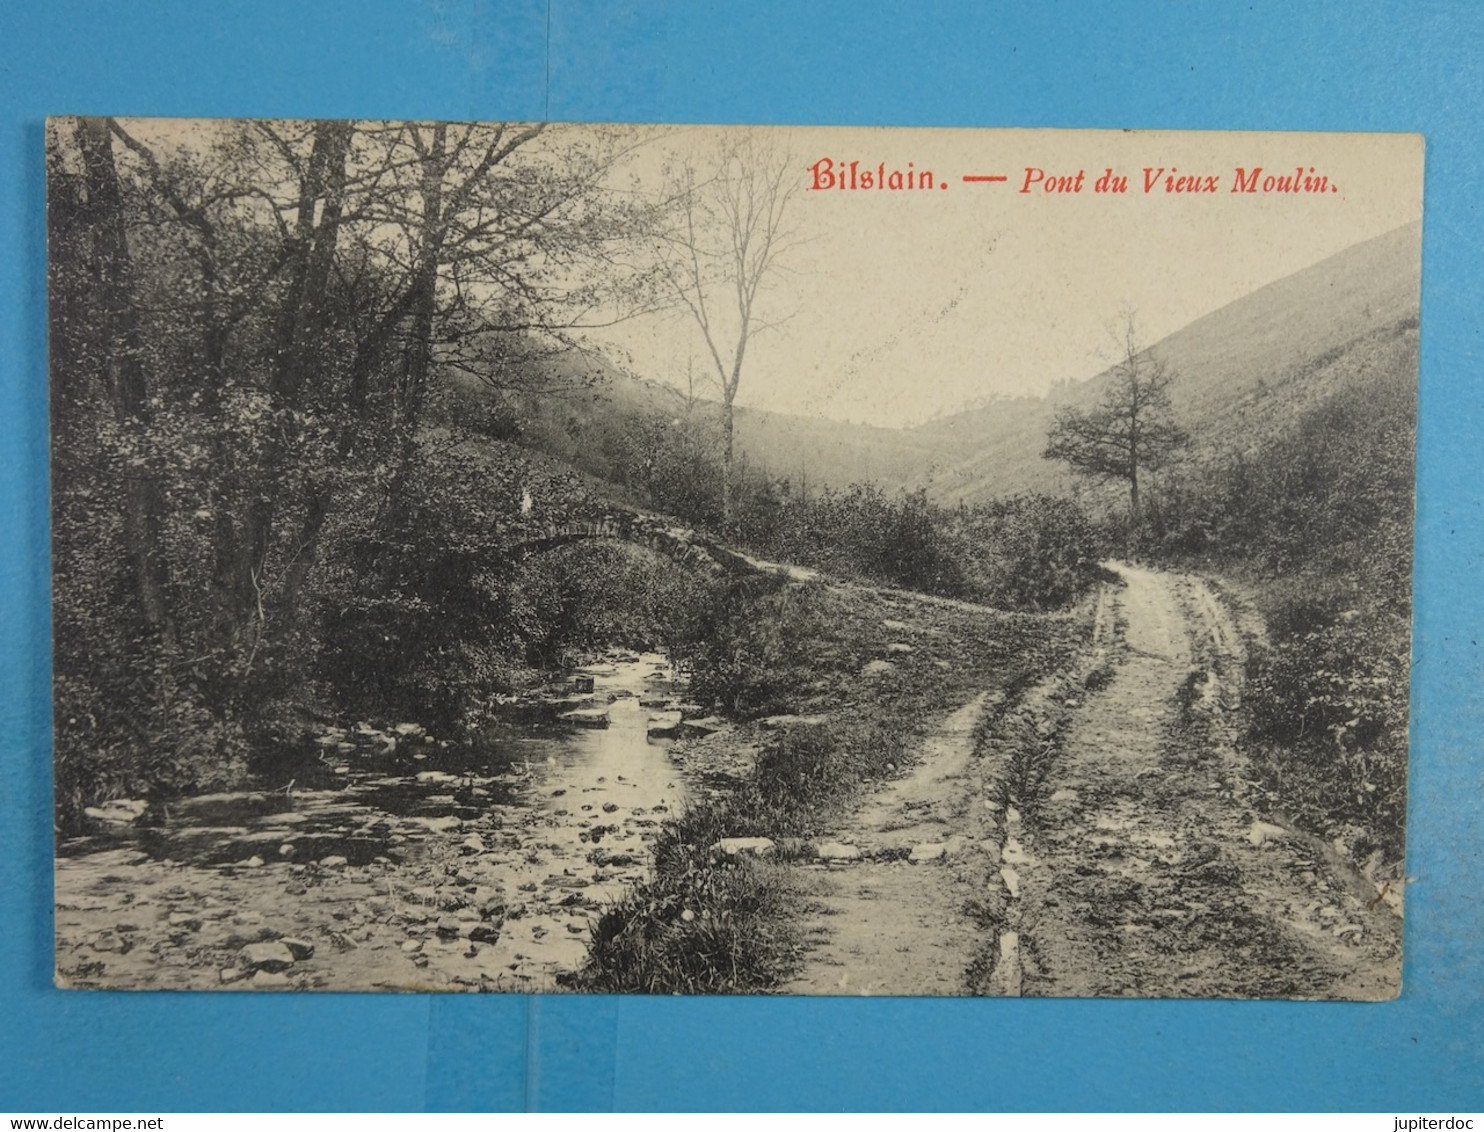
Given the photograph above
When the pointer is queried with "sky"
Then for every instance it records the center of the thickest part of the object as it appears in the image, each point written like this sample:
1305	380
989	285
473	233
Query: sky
899	306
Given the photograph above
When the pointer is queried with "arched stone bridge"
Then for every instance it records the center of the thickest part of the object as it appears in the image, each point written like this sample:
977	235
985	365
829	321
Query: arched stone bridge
689	548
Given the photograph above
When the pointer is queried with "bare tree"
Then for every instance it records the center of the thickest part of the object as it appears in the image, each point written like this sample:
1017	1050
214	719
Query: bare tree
1129	432
721	243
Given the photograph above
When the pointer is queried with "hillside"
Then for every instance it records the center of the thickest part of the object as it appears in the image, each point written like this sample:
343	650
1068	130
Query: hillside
594	415
1243	371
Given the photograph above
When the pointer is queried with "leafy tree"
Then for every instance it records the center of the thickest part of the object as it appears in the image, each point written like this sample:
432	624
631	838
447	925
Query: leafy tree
253	327
1129	432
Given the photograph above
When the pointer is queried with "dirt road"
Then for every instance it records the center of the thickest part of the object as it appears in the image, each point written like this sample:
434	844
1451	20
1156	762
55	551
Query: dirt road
1097	840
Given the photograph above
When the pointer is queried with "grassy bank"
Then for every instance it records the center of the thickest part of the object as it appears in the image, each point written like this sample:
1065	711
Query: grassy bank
866	674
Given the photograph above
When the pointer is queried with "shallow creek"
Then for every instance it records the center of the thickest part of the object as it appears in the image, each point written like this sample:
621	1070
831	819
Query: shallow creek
417	865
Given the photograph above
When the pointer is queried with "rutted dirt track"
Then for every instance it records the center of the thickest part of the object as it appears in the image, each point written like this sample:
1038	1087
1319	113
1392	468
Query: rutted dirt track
1100	842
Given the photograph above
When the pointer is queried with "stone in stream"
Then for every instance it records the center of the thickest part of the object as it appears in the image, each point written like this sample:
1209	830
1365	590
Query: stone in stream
121	811
744	846
186	920
253	862
450	926
333	862
472	844
300	948
1013	853
484	933
927	851
412	946
699	728
1263	832
270	955
587	717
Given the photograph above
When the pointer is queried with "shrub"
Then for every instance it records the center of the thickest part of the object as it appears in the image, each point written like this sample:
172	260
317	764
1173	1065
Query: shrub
1328	712
703	929
750	646
1031	552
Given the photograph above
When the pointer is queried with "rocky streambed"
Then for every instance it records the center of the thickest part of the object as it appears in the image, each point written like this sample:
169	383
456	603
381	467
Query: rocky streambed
389	860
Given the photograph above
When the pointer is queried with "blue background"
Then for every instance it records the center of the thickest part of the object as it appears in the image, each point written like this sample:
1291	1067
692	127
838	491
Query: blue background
1314	66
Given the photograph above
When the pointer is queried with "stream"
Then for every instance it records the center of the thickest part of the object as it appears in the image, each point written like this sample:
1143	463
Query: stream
388	859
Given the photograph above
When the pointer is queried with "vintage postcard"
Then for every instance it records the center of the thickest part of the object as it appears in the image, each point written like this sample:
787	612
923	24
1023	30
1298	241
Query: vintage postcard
510	557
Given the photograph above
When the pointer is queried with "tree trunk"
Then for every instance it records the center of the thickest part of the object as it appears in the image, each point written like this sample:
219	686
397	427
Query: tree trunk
726	467
297	349
125	377
418	362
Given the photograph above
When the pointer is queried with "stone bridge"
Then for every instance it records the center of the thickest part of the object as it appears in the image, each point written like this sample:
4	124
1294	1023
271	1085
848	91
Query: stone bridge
689	548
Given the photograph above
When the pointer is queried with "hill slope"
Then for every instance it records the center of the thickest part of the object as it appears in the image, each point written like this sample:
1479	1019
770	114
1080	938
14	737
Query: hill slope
1243	371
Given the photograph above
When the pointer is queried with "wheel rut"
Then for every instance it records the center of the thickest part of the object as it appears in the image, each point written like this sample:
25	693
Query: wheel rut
1154	876
1098	843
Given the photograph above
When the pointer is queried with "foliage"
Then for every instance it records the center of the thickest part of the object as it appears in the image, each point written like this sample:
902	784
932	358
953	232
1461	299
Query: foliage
1318	524
1031	551
1130	432
752	653
252	326
701	929
591	595
1334	701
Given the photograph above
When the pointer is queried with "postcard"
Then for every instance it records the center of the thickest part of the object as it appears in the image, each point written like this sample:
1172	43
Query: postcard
720	560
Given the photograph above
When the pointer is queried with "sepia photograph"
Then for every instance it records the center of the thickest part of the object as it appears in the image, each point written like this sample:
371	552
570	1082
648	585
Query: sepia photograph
514	557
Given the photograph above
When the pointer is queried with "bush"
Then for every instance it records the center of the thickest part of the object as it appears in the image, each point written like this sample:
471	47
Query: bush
701	929
750	646
1328	712
804	773
421	614
1031	552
